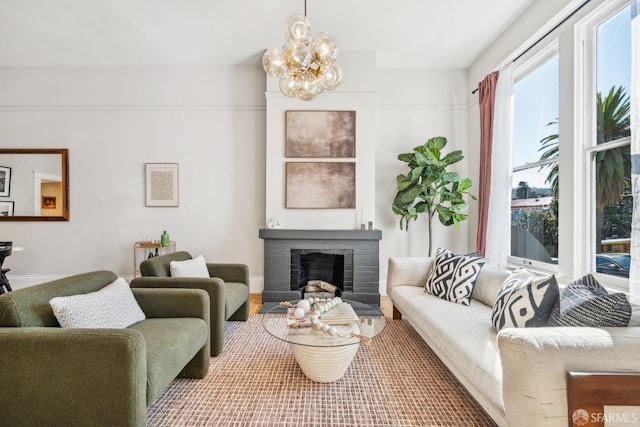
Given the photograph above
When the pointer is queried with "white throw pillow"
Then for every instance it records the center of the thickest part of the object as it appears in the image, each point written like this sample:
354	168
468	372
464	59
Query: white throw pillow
113	306
196	267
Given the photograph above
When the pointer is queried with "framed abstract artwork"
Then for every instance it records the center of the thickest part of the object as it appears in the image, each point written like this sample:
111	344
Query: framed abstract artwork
161	184
320	134
320	185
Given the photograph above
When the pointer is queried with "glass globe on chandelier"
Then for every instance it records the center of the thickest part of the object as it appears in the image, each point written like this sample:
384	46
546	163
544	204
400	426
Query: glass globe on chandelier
305	66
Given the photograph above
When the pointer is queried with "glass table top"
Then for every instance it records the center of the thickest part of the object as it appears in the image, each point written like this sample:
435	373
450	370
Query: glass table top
366	327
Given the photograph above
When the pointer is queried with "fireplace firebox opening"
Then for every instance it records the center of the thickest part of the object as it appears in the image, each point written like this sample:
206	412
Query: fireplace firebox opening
324	274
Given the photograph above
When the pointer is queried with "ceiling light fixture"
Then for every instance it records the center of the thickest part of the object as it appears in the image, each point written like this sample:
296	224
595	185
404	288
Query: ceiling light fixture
305	66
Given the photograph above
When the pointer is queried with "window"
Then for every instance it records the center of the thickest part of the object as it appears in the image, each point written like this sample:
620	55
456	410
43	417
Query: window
534	193
608	148
571	201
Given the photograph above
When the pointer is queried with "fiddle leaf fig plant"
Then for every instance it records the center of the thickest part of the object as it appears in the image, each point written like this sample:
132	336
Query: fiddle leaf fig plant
429	188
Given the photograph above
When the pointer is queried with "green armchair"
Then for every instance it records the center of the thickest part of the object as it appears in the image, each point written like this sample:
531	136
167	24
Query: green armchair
98	377
228	288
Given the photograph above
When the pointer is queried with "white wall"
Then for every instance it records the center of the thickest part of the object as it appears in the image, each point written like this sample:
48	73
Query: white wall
539	18
355	93
210	121
214	123
413	106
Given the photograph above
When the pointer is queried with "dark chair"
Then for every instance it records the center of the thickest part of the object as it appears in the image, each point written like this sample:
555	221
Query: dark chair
5	250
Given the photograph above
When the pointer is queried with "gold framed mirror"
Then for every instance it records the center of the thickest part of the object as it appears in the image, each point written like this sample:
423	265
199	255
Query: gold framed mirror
34	184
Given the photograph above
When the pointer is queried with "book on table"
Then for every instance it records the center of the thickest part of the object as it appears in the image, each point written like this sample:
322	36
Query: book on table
341	314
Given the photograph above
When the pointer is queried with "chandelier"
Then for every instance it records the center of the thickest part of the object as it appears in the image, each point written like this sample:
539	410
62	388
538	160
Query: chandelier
305	66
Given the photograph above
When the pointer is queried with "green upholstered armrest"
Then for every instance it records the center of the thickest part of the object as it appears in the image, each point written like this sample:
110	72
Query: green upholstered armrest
167	302
230	272
214	288
73	376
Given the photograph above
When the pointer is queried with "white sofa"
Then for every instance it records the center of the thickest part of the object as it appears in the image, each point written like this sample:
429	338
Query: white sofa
519	374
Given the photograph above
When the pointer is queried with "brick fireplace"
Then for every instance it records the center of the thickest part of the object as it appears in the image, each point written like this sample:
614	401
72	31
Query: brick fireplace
282	248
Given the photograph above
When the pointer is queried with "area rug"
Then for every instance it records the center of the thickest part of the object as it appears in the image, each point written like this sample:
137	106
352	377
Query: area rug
395	381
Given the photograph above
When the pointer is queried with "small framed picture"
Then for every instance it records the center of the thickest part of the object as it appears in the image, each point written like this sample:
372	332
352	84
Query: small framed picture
48	202
161	184
5	181
6	208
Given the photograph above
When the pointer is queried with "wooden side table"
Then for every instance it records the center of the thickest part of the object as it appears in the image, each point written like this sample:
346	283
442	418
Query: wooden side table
591	394
143	250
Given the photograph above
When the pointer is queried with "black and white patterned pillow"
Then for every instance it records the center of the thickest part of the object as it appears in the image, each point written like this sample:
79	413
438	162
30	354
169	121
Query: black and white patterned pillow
453	277
584	302
524	300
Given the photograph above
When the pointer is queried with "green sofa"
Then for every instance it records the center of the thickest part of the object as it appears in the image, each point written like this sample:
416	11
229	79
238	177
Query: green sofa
228	289
53	376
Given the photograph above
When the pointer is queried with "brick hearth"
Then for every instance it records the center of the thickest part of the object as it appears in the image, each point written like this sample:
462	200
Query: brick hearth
278	244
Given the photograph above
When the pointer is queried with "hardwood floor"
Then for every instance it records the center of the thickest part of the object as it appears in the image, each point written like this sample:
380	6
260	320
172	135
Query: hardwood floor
255	302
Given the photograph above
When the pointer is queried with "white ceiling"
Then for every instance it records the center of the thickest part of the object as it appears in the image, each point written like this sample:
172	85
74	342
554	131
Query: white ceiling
404	33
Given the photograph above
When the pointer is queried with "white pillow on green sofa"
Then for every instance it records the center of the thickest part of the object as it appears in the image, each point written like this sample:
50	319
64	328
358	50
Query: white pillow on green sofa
196	267
113	306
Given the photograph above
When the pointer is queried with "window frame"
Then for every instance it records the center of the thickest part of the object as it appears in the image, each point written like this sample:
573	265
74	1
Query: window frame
541	56
585	78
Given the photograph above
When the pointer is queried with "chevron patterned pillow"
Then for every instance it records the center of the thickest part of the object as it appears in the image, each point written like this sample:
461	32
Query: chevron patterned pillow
453	276
584	302
524	300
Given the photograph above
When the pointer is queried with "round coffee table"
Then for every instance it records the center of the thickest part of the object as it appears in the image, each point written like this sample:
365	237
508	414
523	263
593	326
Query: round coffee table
322	357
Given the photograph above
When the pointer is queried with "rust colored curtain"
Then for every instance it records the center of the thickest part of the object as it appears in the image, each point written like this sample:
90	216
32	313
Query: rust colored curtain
487	95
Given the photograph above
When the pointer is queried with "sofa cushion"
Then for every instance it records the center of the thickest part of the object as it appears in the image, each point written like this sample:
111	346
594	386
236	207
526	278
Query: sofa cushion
490	280
524	300
113	306
461	336
171	344
196	267
453	277
584	302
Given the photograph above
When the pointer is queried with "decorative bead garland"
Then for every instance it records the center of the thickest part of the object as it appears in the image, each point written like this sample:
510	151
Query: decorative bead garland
321	306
